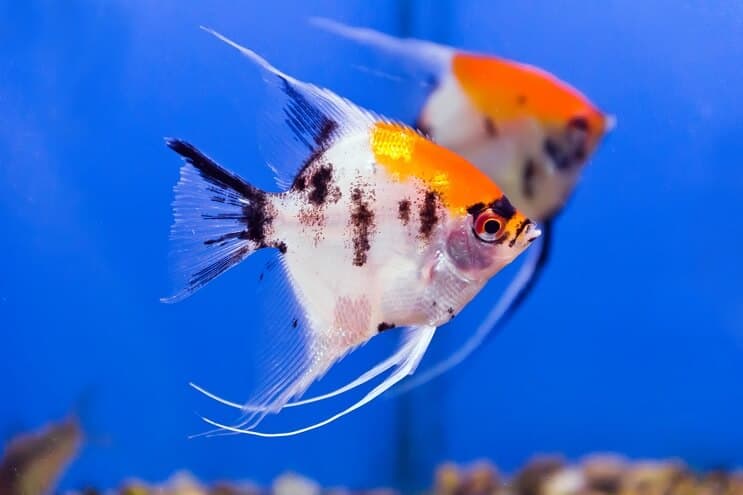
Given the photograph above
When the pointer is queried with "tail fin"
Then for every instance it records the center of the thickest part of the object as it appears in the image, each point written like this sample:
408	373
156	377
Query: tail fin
219	220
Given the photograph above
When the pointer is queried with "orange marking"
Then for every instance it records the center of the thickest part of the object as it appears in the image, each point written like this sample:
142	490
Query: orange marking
405	154
505	90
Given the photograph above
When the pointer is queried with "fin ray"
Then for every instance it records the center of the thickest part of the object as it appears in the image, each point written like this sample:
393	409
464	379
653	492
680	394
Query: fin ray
416	344
314	117
210	232
364	378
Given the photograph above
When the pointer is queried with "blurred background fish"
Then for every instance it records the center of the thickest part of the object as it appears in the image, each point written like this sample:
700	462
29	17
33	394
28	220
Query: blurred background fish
529	131
33	463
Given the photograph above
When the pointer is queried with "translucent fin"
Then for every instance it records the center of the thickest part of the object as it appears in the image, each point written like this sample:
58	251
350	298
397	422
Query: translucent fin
415	345
424	62
211	231
282	361
314	117
512	298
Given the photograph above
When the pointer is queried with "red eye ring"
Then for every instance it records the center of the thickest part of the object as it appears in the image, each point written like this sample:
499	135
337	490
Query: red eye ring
488	226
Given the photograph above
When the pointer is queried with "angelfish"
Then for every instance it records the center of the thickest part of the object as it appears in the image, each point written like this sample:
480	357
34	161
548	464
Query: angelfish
379	228
527	130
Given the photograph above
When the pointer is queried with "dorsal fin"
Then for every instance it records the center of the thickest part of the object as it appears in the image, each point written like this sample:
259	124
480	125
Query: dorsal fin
314	117
424	61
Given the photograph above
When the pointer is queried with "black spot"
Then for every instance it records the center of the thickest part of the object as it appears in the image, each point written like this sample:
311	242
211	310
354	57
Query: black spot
503	207
320	181
552	149
427	214
257	219
571	147
300	183
579	123
403	211
450	310
362	225
527	179
281	246
295	323
385	326
490	128
433	303
476	208
260	277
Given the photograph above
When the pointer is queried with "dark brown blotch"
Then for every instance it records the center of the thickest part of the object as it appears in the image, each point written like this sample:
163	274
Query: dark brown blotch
362	226
385	326
428	215
503	207
580	123
527	179
519	230
490	127
403	211
300	183
320	182
476	208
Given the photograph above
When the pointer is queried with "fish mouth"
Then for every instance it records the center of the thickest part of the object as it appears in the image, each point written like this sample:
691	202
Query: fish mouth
531	233
610	122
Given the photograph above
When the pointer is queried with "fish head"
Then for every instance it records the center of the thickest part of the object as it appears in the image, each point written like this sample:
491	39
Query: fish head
488	237
572	133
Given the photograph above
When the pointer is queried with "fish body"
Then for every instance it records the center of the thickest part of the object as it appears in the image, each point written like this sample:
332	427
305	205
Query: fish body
380	228
530	132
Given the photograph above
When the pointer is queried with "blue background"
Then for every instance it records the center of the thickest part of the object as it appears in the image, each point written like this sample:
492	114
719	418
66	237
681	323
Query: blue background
633	341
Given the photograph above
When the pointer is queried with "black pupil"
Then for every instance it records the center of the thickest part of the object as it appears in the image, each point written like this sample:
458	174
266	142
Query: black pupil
492	226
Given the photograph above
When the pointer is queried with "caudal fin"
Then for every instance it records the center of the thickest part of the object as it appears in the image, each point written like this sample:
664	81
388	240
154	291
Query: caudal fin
219	220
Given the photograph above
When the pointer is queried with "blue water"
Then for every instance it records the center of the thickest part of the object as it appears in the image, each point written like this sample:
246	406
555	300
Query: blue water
633	341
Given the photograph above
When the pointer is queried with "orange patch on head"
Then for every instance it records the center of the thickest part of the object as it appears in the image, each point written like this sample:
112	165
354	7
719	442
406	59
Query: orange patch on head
505	90
406	154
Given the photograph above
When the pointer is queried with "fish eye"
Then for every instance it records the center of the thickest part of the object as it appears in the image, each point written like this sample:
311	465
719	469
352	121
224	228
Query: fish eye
579	123
488	226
